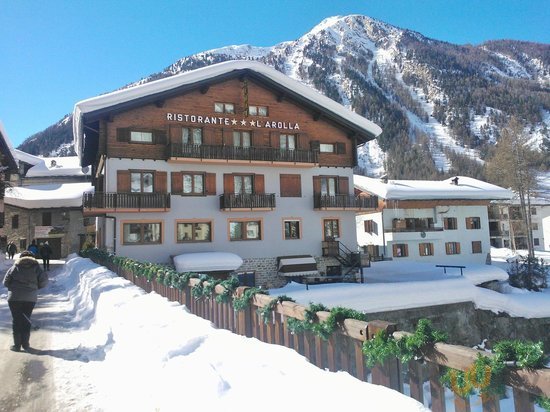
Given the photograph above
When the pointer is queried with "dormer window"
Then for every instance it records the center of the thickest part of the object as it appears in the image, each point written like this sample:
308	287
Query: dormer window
220	107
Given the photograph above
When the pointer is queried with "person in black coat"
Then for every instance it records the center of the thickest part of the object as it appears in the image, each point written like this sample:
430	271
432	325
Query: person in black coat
12	250
45	253
23	280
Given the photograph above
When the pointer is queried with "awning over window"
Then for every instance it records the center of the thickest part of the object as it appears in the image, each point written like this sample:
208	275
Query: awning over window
302	265
207	262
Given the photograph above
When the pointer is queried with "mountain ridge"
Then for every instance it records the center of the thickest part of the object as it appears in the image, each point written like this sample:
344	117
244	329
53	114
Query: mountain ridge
441	105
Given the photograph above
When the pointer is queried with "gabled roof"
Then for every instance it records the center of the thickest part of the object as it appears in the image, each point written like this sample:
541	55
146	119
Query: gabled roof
47	195
150	92
6	149
466	188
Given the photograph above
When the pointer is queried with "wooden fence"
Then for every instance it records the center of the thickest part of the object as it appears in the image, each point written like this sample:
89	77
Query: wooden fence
343	350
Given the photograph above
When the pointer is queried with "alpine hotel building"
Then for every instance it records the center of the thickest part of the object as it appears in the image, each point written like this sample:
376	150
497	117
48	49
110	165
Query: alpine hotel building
234	157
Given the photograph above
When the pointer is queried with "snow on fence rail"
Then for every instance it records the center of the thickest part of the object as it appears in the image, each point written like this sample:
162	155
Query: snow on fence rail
343	350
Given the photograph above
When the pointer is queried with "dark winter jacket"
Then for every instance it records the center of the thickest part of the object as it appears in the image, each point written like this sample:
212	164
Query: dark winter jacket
45	251
24	279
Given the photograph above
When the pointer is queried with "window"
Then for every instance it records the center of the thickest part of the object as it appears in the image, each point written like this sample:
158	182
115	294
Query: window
15	221
476	246
224	108
400	250
536	241
450	223
141	137
292	229
193	232
257	111
331	229
46	218
193	183
243	184
191	135
426	249
329	186
287	141
533	211
371	227
241	138
291	185
452	248
141	182
326	147
473	223
412	224
141	233
245	230
534	226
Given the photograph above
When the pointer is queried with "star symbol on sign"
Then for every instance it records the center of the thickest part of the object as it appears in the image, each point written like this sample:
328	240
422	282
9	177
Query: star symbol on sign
234	122
243	122
252	123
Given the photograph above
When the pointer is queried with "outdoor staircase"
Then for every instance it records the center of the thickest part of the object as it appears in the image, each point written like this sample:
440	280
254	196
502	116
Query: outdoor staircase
351	261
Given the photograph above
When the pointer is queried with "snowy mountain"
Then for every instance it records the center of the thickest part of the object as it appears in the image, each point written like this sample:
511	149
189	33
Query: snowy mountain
441	105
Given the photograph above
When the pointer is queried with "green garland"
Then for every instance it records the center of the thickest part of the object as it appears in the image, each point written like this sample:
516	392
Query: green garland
323	329
487	374
241	303
229	286
543	402
266	313
409	347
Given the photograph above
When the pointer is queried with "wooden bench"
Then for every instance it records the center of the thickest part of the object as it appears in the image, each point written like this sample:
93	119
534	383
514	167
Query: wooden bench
451	266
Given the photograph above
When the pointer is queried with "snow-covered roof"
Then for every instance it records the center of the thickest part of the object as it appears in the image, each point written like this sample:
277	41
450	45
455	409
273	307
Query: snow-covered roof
205	73
466	188
26	157
9	146
207	262
57	166
47	195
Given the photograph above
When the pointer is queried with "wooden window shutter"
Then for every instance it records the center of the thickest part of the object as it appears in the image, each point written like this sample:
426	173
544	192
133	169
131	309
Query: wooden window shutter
343	185
159	136
123	181
315	145
273	139
457	248
122	135
290	185
210	185
174	133
340	148
259	184
228	183
161	182
316	184
176	180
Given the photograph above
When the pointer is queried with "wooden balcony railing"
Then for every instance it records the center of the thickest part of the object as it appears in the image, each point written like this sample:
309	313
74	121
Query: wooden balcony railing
263	154
112	202
344	202
230	201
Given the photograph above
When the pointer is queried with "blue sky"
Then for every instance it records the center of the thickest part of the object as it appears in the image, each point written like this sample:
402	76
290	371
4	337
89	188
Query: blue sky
54	53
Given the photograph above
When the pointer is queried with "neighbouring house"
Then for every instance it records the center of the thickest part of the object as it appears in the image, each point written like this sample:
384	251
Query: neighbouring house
46	204
231	158
8	172
422	220
508	229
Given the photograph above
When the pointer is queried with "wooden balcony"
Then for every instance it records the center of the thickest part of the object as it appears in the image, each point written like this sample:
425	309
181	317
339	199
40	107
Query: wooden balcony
101	203
232	154
247	202
344	202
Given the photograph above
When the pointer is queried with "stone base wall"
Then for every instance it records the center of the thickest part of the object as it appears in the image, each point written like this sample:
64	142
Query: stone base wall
469	326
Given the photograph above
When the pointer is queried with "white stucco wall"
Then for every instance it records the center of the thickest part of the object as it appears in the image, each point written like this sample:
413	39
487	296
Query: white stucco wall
208	208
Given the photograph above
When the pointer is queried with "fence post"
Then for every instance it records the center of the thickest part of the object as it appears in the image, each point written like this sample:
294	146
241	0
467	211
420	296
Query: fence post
243	318
389	373
436	388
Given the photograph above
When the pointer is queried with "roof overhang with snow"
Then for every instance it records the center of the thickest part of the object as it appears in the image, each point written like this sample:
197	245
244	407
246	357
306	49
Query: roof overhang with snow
47	196
93	109
465	188
292	266
6	149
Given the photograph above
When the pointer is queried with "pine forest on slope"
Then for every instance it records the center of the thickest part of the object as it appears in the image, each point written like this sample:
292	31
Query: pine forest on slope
441	106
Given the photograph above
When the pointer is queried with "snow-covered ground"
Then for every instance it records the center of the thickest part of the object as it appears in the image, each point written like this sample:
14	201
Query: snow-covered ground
113	347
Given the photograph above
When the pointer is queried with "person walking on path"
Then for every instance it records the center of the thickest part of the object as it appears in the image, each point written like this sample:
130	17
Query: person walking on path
12	250
23	280
33	248
45	253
